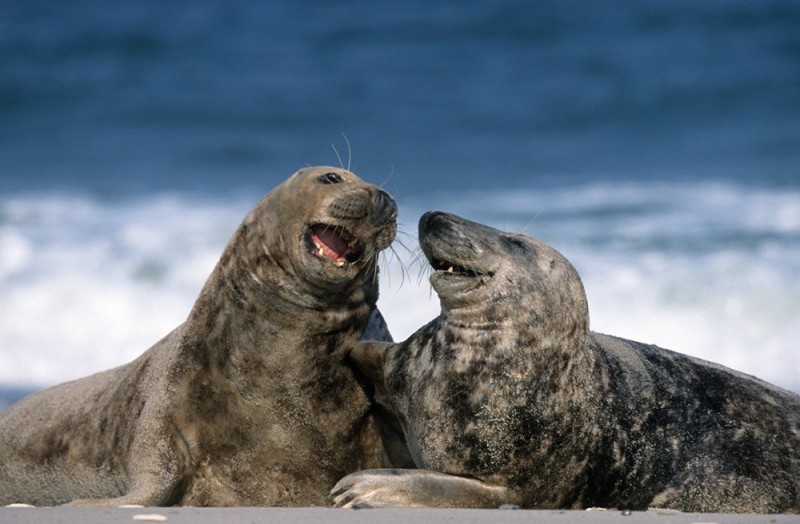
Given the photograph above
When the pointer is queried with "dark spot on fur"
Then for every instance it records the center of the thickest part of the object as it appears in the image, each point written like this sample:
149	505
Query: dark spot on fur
479	458
397	381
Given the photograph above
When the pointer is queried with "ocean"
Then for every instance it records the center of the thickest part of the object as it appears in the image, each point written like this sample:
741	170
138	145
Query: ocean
656	144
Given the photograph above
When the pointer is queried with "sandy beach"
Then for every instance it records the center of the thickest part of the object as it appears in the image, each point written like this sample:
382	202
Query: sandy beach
384	516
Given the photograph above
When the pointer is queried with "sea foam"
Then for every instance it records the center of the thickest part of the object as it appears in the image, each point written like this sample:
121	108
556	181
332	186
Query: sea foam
710	269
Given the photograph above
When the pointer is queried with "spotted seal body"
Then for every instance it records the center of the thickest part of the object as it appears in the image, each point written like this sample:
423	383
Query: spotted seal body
248	402
507	397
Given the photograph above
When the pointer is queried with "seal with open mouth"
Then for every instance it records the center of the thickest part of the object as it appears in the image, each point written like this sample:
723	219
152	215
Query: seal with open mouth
250	401
507	397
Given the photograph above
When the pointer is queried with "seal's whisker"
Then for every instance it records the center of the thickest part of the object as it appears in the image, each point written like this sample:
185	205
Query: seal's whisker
430	292
349	153
425	270
419	259
339	158
391	174
403	268
401	244
349	150
388	259
407	235
383	262
531	221
375	272
391	255
387	268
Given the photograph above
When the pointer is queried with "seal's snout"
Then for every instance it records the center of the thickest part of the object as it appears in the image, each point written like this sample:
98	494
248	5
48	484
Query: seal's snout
369	203
430	220
443	228
453	247
384	207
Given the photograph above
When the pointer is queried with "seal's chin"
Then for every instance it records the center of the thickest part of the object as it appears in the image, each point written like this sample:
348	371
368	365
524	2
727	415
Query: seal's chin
333	244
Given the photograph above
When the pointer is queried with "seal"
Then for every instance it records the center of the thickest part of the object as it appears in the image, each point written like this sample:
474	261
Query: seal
250	401
508	398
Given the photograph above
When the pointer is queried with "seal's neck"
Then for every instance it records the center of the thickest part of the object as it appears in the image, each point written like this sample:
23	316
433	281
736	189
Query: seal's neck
256	320
264	348
533	341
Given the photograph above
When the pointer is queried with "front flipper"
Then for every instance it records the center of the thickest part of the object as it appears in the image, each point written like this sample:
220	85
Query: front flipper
368	357
387	488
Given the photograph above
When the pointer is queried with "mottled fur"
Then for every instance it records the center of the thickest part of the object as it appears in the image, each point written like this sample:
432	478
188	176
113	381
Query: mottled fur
507	397
249	402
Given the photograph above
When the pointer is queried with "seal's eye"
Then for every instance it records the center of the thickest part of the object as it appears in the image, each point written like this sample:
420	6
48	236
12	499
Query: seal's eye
330	178
516	243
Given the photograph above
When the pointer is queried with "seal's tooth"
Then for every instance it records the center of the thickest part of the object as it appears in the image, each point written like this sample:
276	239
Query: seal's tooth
450	269
339	262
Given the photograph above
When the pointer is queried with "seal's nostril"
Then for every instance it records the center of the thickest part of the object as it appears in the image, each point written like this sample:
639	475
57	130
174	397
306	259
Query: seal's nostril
385	206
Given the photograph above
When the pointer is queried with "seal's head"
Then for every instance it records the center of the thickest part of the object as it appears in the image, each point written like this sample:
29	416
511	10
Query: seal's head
318	233
485	276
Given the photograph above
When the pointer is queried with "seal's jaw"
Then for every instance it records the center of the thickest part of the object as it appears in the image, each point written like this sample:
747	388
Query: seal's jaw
333	244
453	270
459	280
456	281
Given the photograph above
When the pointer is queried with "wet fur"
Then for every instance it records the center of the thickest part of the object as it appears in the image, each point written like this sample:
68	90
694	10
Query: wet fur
249	402
507	397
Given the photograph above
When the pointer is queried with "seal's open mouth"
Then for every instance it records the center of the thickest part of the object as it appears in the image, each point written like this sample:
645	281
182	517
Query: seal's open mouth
455	269
333	243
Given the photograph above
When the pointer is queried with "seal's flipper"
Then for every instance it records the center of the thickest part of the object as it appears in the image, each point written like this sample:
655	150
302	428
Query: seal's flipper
387	488
369	356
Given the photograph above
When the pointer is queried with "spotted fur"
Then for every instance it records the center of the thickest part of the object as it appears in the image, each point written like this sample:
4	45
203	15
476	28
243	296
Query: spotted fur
250	401
508	397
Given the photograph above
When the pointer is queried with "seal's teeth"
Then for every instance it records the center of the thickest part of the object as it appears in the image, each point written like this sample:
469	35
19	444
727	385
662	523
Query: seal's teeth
320	251
339	262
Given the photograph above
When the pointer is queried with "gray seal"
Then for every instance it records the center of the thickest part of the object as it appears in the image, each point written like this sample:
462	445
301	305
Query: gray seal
250	401
508	398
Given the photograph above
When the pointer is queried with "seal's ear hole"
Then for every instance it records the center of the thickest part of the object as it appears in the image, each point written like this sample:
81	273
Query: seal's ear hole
330	178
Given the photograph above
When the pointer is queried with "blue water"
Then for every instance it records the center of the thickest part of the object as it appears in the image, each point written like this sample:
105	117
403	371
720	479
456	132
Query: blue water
141	95
655	143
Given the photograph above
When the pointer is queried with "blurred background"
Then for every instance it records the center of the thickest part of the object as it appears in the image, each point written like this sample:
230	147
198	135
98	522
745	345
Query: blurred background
656	144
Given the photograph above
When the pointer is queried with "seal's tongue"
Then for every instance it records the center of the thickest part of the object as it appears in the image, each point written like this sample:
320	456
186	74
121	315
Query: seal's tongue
333	242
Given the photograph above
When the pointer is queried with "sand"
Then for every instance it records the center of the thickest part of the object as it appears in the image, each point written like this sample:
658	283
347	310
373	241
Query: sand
364	516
